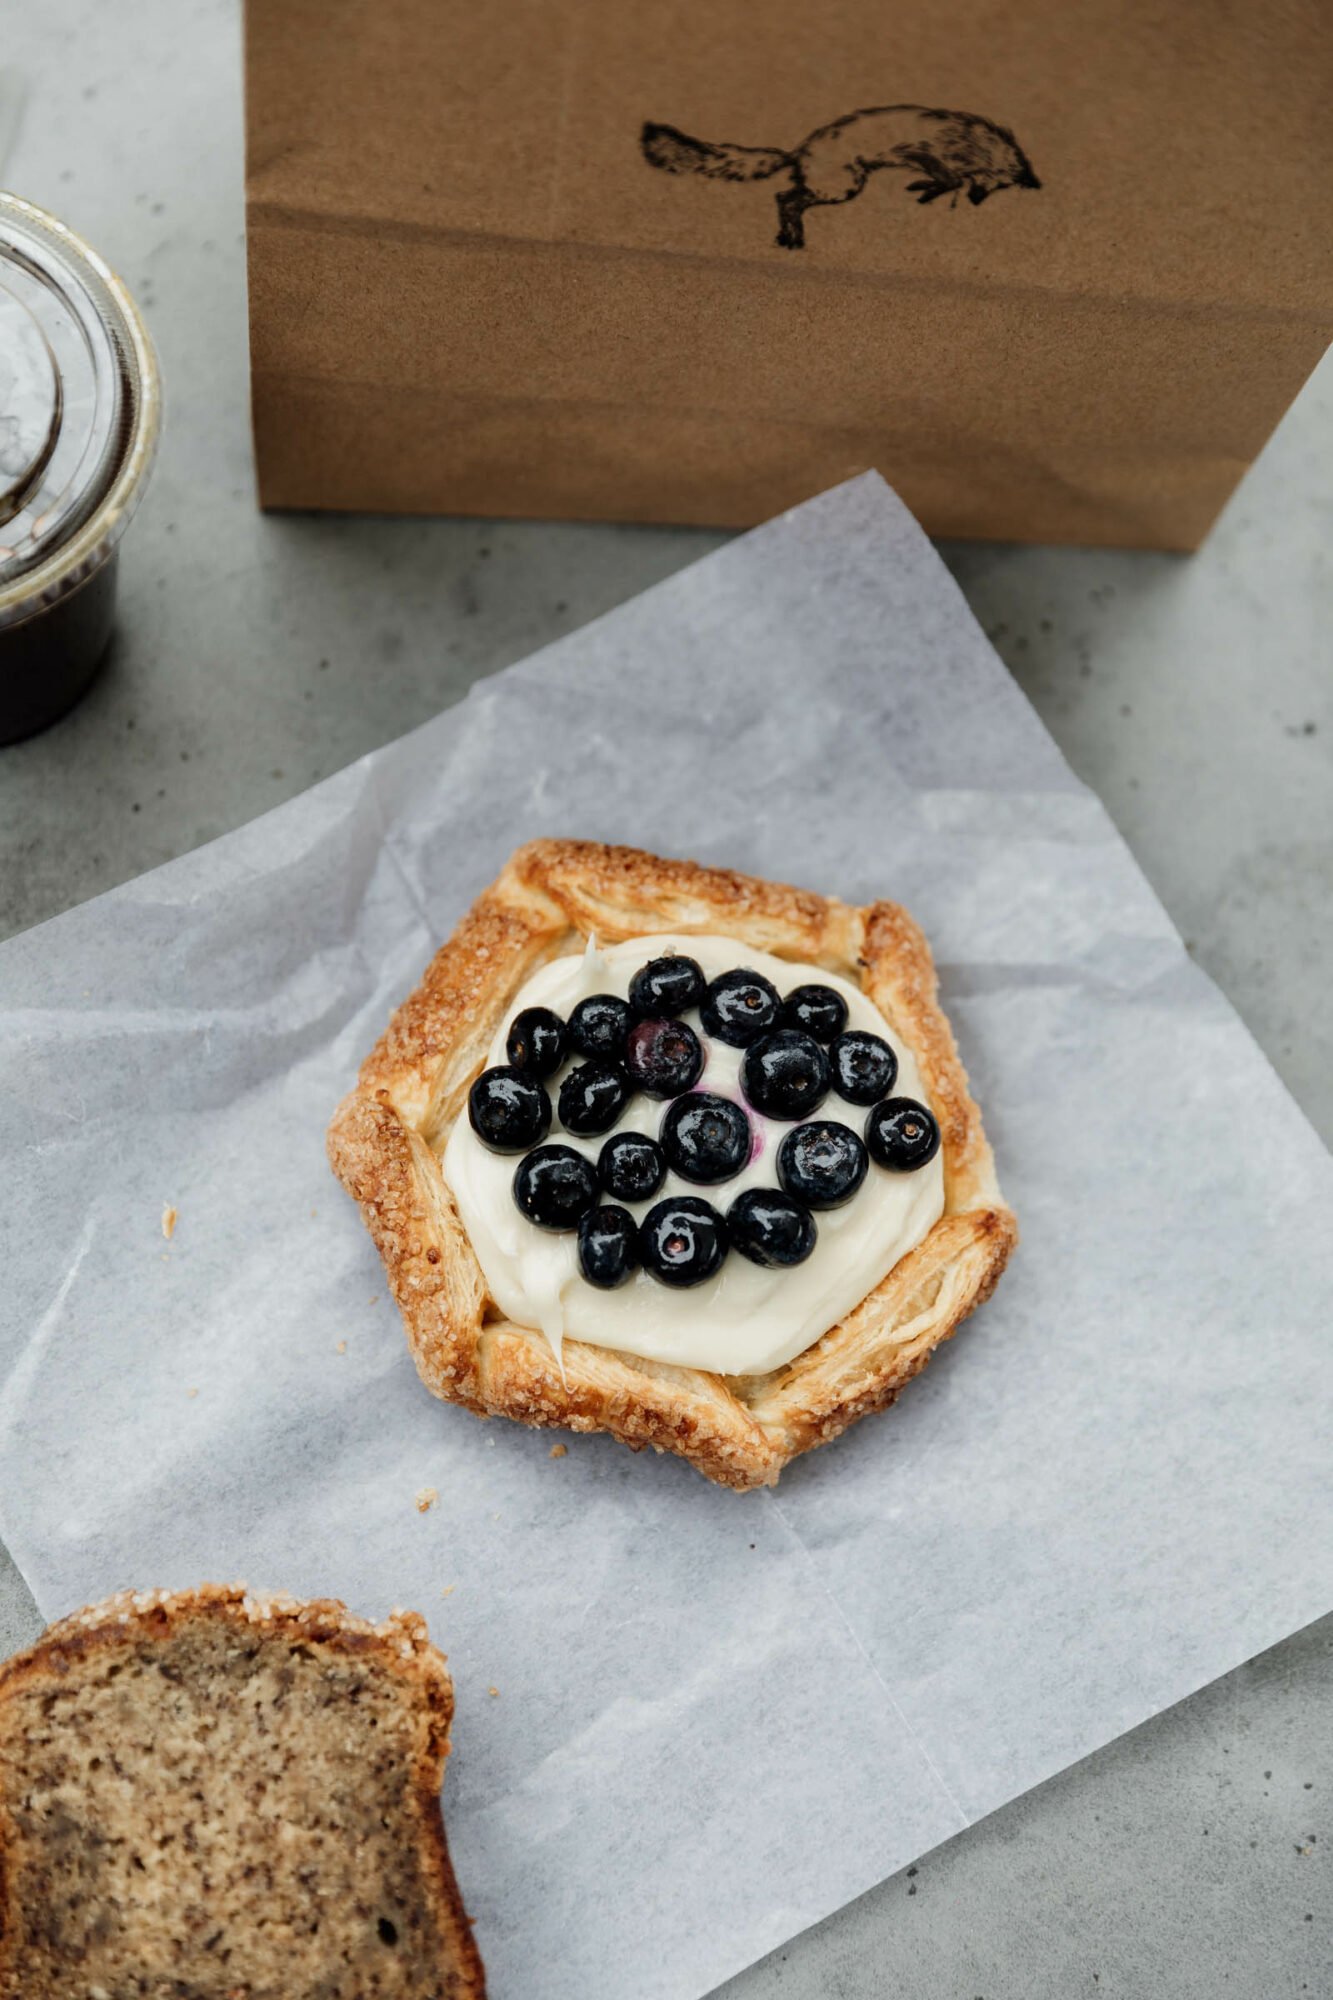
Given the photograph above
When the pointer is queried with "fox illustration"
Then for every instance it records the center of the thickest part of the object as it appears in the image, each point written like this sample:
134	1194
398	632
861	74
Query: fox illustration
949	151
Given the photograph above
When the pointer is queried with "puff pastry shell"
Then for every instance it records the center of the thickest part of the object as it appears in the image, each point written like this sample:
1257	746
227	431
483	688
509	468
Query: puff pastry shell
387	1138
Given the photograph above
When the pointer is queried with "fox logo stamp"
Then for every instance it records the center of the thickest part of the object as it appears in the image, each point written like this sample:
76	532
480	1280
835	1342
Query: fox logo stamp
950	152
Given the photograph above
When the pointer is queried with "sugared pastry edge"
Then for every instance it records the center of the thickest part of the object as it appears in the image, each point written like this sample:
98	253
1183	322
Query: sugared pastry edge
387	1137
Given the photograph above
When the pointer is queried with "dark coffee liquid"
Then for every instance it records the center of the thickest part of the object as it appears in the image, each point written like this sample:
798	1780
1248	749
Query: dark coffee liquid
47	661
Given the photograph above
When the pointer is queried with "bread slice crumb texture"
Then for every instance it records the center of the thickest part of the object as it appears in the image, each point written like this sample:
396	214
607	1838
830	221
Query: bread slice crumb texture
215	1796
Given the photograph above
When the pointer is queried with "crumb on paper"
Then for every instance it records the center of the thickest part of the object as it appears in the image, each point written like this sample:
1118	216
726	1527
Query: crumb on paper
341	1348
313	1213
449	1590
192	1393
169	1215
559	1450
492	1690
426	1499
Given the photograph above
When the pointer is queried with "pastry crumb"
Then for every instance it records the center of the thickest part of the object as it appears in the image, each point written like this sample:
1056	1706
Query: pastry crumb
192	1393
492	1690
449	1590
341	1348
169	1215
559	1450
426	1499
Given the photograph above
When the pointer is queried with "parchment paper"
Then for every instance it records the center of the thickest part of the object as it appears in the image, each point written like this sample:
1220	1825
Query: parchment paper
717	1717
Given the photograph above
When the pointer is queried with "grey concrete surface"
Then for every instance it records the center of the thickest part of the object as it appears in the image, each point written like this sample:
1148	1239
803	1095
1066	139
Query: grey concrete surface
255	655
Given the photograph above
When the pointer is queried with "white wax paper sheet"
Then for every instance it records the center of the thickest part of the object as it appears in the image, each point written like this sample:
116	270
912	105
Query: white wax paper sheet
718	1717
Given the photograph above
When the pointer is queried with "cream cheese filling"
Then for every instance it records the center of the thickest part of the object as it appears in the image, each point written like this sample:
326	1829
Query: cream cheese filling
746	1320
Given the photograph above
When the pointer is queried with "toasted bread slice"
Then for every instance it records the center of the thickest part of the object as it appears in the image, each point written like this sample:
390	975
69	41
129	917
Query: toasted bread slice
220	1796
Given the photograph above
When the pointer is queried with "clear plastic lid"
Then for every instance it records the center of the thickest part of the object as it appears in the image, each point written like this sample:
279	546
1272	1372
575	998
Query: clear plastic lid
79	409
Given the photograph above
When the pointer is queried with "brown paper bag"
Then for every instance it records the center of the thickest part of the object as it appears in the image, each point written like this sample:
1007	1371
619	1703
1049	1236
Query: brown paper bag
1055	270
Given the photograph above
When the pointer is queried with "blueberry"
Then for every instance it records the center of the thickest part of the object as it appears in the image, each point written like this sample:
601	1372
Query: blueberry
592	1097
666	986
816	1010
608	1247
786	1074
663	1057
682	1240
822	1164
864	1067
555	1187
706	1138
536	1041
508	1110
739	1007
598	1026
902	1135
631	1166
770	1227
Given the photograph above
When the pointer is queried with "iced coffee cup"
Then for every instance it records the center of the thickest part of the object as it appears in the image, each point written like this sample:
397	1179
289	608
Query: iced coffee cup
79	413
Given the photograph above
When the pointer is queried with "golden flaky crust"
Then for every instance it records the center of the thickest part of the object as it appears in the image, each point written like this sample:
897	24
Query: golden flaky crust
400	1646
386	1140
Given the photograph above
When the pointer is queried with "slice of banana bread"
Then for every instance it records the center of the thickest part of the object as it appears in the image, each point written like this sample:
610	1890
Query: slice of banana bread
219	1796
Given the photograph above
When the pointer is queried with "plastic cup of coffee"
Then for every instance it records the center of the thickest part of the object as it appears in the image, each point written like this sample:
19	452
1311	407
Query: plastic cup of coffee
80	405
